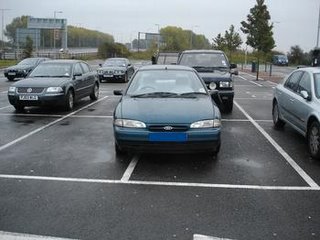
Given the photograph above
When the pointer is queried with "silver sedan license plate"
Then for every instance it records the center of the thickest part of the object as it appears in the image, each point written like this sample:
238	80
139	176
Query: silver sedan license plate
28	97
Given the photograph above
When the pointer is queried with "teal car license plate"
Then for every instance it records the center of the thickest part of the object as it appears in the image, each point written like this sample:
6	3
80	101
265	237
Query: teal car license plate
168	137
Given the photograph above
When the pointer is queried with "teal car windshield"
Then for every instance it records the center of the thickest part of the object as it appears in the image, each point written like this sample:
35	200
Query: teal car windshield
170	82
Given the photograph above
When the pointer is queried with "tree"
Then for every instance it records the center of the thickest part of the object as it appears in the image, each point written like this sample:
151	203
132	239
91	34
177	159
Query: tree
232	40
27	51
229	42
175	38
18	22
219	42
259	30
296	55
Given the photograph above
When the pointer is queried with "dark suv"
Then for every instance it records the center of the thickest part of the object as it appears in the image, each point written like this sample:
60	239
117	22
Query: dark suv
214	68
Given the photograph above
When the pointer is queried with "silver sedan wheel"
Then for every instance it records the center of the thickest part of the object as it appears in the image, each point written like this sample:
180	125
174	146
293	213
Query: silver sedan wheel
313	140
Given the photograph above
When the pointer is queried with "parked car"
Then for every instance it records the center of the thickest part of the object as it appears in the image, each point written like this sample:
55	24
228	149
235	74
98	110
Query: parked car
214	68
296	102
55	82
118	69
280	60
23	68
165	109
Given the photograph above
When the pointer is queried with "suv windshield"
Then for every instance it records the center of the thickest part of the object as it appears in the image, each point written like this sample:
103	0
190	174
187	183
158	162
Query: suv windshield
207	60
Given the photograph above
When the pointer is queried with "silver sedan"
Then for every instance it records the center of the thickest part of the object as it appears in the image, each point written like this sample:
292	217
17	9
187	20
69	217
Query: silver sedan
296	102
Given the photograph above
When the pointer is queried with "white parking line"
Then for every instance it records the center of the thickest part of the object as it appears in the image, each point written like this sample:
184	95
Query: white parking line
251	81
127	174
204	237
48	125
5	107
23	236
286	156
155	183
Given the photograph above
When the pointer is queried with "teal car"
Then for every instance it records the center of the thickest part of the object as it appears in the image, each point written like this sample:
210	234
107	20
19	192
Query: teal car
167	109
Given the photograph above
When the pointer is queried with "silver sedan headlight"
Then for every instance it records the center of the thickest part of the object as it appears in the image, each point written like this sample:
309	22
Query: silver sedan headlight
129	123
215	123
100	72
225	84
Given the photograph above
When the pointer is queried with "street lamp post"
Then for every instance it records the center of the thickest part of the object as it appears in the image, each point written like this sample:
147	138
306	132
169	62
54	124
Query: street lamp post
191	37
158	38
54	30
317	45
2	25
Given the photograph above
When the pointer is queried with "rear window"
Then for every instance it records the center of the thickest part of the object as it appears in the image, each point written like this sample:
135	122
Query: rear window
204	60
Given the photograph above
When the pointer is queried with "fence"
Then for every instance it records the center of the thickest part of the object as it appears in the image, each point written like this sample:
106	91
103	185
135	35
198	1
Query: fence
18	55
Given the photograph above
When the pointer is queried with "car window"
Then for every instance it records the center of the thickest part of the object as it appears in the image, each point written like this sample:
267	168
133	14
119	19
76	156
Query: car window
305	83
85	67
292	81
204	60
316	78
78	69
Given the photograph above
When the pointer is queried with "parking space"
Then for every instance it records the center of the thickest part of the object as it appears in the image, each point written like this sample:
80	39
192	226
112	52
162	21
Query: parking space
60	176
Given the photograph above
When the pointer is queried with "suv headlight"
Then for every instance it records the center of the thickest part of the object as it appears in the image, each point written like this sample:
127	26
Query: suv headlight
215	123
225	84
129	123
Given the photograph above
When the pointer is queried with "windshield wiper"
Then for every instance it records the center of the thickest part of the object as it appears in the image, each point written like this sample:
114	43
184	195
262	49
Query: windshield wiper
49	76
155	94
192	94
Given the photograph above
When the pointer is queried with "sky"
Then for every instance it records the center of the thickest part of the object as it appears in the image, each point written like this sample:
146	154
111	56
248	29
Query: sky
295	21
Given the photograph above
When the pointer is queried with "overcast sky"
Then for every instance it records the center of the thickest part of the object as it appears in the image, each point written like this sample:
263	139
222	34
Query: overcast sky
295	21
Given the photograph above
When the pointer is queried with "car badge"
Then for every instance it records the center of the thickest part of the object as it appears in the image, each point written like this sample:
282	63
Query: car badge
29	90
168	128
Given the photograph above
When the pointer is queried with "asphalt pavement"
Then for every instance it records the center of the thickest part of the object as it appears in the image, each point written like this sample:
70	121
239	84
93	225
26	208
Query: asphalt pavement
60	177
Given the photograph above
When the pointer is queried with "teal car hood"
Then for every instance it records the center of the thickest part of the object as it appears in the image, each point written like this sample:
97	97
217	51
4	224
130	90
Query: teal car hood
166	110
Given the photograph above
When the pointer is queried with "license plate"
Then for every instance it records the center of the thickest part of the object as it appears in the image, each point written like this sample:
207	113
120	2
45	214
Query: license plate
108	75
28	97
11	73
167	137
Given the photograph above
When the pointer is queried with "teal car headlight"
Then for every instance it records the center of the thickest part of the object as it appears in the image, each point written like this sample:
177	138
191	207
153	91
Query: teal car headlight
215	123
129	123
225	84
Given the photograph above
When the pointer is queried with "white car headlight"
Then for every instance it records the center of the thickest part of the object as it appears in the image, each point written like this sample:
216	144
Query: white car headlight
54	89
129	123
215	123
223	84
12	89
